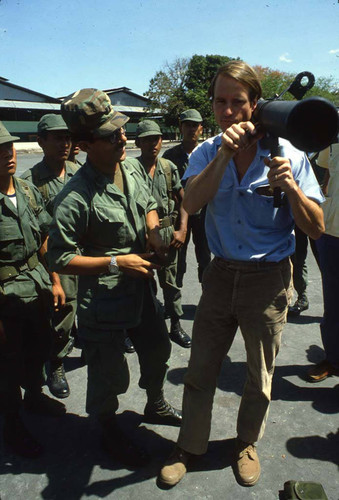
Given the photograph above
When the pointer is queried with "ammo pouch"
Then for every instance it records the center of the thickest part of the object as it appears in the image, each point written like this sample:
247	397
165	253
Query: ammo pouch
10	272
304	490
167	221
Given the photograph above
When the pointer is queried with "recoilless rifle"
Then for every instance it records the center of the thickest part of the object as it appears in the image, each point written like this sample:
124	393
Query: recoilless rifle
310	124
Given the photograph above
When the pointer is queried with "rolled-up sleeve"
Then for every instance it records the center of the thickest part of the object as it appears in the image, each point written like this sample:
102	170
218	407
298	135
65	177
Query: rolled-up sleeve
69	225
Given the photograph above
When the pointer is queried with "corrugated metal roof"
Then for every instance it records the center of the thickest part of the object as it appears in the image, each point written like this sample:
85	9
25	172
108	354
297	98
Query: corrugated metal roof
48	106
4	103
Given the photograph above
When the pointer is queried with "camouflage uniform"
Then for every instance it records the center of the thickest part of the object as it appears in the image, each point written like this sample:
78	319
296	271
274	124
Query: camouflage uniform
167	213
25	292
49	186
195	224
93	215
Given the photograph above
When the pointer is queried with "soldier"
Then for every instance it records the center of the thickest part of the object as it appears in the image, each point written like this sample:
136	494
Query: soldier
105	213
190	124
50	176
25	302
163	179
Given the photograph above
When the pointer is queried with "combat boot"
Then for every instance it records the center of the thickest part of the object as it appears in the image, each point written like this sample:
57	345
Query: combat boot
178	335
159	411
57	382
300	305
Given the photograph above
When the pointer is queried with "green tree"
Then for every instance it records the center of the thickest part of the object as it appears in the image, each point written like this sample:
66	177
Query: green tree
200	72
275	81
166	90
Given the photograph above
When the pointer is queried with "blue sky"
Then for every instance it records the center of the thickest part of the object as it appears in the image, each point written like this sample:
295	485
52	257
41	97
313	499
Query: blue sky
56	47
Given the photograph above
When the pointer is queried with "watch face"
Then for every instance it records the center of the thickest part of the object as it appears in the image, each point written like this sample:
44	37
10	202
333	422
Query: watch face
114	269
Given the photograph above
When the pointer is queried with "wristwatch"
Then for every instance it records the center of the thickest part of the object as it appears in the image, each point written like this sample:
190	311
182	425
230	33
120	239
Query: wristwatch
113	267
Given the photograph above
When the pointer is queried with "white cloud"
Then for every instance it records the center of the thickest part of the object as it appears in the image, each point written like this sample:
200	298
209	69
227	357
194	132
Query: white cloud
333	51
284	57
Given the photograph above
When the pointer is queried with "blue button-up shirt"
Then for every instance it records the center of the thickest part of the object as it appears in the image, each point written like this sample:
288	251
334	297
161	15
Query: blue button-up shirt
241	222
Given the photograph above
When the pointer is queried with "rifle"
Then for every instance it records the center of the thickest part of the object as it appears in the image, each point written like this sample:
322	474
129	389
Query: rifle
310	124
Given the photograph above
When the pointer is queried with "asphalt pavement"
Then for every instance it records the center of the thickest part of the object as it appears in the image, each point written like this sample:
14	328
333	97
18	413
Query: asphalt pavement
301	440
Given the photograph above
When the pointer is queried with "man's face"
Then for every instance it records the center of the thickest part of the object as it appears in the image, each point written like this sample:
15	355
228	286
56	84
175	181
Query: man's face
231	103
56	145
108	151
7	159
150	146
191	131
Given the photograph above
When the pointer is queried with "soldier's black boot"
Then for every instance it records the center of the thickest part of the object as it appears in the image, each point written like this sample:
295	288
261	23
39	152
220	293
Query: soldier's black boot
159	411
300	305
18	439
57	382
118	445
178	335
129	347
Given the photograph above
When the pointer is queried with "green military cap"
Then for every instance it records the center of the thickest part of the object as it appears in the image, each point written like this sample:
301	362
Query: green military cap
5	136
51	121
91	111
191	115
147	127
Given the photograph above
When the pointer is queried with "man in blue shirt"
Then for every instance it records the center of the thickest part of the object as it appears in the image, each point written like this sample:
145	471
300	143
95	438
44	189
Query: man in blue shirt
248	284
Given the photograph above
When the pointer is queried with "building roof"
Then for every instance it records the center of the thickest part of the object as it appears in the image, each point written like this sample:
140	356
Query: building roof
56	106
4	81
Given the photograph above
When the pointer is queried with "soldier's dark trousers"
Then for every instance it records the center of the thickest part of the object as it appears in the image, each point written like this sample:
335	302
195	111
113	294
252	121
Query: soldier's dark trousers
24	348
196	227
108	374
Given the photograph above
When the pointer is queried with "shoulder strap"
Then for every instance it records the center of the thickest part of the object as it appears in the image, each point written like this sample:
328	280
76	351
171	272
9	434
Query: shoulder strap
166	167
43	188
29	193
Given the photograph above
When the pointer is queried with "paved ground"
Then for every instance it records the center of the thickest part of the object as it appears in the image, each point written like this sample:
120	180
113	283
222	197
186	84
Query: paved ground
301	441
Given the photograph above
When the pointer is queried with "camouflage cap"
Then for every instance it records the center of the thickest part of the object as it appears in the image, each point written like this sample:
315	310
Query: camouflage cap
191	115
5	136
91	111
51	121
147	127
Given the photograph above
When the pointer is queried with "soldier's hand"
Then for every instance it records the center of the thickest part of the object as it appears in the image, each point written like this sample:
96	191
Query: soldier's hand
156	244
59	297
137	265
179	238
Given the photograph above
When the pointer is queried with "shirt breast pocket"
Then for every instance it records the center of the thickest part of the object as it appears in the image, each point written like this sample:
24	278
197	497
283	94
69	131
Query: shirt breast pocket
110	225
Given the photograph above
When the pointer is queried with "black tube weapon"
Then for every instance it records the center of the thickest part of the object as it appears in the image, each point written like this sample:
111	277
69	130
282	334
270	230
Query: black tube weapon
310	125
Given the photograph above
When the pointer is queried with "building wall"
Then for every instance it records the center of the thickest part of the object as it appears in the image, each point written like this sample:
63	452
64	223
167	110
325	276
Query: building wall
125	99
13	94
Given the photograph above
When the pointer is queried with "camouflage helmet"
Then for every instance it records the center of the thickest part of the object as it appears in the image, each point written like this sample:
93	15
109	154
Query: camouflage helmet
90	111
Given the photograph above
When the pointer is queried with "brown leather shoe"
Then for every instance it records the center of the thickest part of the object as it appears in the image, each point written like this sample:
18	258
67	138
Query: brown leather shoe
174	468
247	466
321	371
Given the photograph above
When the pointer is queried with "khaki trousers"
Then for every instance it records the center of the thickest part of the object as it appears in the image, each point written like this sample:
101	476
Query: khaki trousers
253	296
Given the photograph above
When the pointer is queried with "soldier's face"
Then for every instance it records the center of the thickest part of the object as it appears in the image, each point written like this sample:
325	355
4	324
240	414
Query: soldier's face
107	151
150	146
191	131
7	159
56	145
231	103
